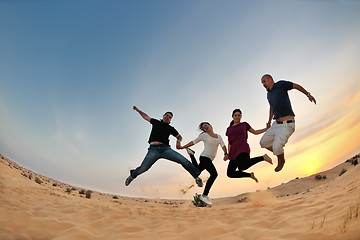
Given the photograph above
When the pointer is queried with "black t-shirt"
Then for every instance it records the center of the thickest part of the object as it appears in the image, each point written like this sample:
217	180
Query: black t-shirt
161	131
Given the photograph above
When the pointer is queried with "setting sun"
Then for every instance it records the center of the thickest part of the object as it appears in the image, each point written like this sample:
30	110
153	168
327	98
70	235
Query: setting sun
311	168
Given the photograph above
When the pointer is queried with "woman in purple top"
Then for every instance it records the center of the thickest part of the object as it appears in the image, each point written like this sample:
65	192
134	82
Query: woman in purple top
239	150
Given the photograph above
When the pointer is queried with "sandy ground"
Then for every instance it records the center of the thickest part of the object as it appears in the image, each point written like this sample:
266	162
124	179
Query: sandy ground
302	209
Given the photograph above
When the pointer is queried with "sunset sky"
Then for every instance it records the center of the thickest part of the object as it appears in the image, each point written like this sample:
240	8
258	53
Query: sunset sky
70	72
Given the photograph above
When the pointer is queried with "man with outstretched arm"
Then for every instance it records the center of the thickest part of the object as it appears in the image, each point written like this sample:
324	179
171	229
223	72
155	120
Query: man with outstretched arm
281	111
160	148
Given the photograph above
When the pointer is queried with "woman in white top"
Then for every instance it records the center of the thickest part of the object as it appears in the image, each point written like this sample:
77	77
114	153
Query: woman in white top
211	142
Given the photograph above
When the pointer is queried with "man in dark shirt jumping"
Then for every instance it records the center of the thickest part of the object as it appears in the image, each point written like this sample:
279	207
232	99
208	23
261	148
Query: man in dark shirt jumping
160	148
281	111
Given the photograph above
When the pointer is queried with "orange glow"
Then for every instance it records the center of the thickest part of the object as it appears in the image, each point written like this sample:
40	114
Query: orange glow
327	146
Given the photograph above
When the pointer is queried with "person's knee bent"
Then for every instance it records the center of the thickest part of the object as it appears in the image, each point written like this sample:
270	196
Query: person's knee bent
278	149
279	144
265	143
230	174
262	143
214	175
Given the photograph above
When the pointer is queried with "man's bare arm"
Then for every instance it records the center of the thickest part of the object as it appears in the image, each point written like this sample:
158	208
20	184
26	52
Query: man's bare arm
301	89
142	114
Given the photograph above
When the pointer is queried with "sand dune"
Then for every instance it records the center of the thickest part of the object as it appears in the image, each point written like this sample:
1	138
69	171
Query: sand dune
302	209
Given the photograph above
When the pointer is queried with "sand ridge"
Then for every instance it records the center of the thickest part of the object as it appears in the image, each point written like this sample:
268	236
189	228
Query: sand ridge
304	208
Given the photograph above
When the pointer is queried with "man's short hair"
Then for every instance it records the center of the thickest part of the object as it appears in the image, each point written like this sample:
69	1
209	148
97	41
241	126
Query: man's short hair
268	75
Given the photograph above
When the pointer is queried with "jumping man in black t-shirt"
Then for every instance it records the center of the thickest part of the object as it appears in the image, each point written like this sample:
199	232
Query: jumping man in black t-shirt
160	148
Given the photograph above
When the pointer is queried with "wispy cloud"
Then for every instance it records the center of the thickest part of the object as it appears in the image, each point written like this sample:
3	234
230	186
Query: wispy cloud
328	143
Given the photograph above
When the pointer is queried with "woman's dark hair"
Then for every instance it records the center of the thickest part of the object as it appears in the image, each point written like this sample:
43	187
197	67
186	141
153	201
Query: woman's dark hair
235	111
201	124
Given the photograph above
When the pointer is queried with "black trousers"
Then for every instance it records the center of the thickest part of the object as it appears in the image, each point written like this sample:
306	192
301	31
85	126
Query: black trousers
206	164
242	162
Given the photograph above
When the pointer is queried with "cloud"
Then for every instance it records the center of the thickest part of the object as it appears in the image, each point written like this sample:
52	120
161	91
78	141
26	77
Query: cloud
329	143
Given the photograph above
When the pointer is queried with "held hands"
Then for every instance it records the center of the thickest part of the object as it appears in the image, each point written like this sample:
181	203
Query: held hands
226	156
178	145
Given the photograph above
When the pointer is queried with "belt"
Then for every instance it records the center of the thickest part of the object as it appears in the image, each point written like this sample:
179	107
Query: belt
288	121
159	145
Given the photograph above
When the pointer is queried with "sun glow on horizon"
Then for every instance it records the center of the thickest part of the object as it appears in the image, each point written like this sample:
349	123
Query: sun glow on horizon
326	146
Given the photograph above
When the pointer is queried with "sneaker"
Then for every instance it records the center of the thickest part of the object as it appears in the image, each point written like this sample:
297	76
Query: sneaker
128	180
205	199
190	151
199	182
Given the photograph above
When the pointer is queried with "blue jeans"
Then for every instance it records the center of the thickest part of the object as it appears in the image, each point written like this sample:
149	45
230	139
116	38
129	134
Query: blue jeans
155	152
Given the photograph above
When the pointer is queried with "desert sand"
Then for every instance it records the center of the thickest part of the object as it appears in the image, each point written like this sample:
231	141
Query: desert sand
37	207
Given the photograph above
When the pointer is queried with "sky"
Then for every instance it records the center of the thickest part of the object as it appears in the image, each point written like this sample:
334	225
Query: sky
71	71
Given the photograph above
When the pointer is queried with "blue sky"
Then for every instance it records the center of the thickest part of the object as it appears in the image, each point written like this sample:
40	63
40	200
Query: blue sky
70	72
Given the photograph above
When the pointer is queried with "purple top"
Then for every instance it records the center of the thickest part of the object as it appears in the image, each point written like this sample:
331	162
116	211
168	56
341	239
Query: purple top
237	137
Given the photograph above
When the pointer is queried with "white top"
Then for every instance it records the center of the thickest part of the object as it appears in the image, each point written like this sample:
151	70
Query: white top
210	144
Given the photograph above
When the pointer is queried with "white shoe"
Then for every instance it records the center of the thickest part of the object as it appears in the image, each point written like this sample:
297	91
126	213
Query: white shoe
205	199
190	151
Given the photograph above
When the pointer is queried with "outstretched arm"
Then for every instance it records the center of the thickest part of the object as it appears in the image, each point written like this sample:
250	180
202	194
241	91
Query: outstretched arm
142	114
256	132
189	144
301	89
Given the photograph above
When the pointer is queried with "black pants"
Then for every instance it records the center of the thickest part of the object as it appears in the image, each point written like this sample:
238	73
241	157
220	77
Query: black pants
206	163
242	162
